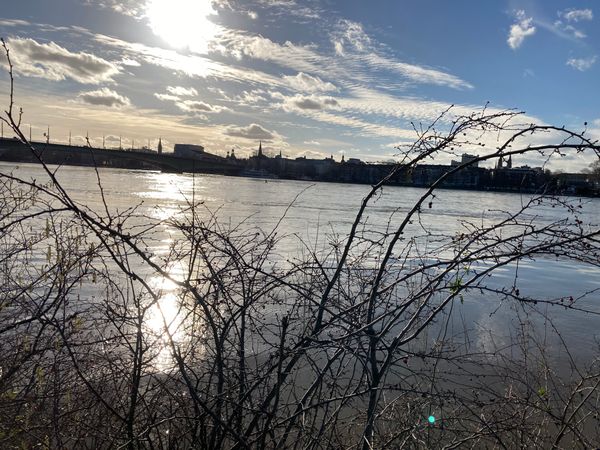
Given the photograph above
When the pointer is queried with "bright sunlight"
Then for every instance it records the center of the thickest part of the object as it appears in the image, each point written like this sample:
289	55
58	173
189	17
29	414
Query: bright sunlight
183	23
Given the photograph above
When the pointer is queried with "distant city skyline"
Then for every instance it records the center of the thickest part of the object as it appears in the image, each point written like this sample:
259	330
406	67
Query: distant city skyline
307	78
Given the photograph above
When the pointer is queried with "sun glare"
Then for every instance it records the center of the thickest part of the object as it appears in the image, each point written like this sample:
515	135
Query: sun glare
183	23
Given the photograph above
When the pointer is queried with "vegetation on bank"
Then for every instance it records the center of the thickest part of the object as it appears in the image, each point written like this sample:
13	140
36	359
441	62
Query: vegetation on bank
346	347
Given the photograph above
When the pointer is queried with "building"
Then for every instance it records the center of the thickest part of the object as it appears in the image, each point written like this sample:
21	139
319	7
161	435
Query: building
466	159
190	151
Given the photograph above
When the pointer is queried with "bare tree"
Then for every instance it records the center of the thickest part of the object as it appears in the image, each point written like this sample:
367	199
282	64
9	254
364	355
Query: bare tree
354	345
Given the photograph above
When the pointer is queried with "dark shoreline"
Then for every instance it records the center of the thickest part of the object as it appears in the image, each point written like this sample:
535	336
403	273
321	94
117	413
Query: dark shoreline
523	180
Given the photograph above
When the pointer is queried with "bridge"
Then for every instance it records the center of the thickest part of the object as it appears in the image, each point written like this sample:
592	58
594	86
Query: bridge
15	151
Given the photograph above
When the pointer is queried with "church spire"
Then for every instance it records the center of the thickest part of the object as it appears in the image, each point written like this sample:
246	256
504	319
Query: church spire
260	153
159	145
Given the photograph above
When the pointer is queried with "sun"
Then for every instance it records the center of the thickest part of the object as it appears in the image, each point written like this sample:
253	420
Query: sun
183	23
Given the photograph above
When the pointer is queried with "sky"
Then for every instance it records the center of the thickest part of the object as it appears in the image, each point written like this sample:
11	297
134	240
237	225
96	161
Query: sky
306	77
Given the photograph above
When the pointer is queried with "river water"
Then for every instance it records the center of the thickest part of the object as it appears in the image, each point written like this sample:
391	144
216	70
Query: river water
310	213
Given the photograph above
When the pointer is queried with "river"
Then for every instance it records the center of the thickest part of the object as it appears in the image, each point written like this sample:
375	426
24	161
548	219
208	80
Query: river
308	214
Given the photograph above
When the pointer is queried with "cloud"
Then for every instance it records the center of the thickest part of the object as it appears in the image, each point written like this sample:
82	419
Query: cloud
572	16
303	59
53	62
582	64
575	15
313	102
350	34
104	97
359	50
190	106
130	62
251	98
13	23
167	97
564	30
133	8
197	106
252	131
239	45
181	91
575	32
189	65
520	30
416	73
291	7
308	83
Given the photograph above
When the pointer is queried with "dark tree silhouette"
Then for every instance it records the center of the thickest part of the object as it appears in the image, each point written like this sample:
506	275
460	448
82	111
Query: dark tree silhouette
347	347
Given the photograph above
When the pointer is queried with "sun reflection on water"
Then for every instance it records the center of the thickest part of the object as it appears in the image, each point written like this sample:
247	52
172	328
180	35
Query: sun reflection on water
165	320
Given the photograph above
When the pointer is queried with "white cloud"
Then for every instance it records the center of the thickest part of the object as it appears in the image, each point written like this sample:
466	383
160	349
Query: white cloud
53	62
251	98
576	33
298	101
575	15
417	74
131	8
305	59
189	65
252	131
104	97
307	83
198	106
572	16
181	91
291	7
582	64
351	34
299	57
190	106
520	30
130	62
167	97
13	23
565	30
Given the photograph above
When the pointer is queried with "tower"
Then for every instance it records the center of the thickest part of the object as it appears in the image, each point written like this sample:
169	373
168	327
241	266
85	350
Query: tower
509	162
260	153
159	149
